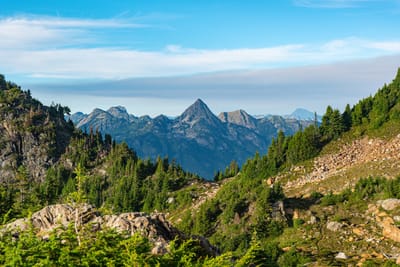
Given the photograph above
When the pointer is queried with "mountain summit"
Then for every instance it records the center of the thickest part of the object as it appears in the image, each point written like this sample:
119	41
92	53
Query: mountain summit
196	112
239	117
119	112
197	139
303	114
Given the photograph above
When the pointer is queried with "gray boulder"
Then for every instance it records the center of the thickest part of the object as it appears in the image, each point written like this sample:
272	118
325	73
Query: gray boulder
390	204
334	226
341	256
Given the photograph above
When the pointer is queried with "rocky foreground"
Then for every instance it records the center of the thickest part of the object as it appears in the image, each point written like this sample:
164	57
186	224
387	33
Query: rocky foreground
152	226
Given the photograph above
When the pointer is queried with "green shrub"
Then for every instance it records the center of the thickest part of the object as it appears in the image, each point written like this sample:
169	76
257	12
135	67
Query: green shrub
292	258
297	223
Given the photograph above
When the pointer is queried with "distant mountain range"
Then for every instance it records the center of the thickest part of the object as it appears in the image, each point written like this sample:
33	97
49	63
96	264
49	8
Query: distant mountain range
303	114
197	139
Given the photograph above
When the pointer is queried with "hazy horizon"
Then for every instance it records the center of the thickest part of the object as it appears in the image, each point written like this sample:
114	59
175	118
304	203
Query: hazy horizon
157	57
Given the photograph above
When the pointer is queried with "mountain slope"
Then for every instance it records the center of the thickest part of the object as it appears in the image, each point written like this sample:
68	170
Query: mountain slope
343	168
197	139
32	136
346	217
335	206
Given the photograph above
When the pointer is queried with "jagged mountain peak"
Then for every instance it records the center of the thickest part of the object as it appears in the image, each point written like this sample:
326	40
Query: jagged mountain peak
198	139
119	112
198	107
198	110
199	102
97	113
239	117
161	117
303	114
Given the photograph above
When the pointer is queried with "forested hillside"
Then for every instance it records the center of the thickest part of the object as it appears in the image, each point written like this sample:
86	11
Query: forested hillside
245	214
40	152
252	203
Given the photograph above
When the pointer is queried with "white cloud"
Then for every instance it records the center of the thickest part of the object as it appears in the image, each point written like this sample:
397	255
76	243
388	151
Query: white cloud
263	91
42	32
66	48
392	47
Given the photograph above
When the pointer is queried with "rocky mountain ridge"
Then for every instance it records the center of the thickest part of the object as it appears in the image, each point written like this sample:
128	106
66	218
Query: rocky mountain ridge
197	139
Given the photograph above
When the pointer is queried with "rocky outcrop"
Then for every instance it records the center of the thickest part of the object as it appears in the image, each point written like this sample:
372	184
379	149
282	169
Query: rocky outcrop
50	217
22	148
384	154
32	136
152	226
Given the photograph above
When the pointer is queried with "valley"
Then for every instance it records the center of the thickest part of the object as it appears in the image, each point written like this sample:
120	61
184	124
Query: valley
324	195
200	133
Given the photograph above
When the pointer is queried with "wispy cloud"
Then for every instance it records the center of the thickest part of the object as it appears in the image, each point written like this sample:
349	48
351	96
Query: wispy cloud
67	48
257	91
44	32
331	3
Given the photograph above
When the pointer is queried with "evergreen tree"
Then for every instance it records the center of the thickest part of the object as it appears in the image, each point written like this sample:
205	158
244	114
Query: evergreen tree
255	255
332	125
3	83
346	118
78	198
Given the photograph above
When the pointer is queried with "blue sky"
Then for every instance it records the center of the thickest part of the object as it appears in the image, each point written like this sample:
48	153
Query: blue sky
159	56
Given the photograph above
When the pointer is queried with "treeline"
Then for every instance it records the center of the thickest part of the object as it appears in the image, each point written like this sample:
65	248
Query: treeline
28	116
369	113
120	181
116	179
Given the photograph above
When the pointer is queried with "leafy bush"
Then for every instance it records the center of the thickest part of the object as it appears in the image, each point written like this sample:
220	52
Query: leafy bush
297	223
332	199
292	258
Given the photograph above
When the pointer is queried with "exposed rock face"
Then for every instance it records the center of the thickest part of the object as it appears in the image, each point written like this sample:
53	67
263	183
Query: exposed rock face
278	211
22	148
239	117
199	141
153	226
53	216
32	136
